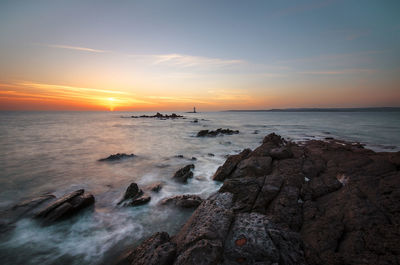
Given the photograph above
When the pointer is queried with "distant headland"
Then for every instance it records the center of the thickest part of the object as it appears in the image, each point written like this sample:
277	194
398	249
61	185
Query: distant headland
371	109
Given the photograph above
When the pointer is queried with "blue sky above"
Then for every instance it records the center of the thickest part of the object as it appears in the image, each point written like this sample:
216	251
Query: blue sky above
257	49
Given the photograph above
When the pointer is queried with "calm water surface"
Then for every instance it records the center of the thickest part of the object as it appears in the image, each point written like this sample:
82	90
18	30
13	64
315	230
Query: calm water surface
58	152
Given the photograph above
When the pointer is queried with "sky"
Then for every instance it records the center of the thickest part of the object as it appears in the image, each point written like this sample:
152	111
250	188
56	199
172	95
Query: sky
216	55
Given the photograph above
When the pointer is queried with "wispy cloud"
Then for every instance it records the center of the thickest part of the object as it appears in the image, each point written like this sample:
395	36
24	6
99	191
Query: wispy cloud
76	48
341	72
192	61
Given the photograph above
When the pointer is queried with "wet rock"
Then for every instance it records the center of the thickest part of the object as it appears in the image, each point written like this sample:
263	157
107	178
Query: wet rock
68	205
155	187
142	199
156	250
317	202
183	201
210	154
183	174
24	209
118	156
134	196
230	164
220	131
132	192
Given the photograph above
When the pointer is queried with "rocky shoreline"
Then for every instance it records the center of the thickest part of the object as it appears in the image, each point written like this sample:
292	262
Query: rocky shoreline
318	202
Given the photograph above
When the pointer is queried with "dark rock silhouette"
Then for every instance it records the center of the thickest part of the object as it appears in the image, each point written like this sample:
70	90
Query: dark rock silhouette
160	116
183	174
220	131
118	156
134	196
318	202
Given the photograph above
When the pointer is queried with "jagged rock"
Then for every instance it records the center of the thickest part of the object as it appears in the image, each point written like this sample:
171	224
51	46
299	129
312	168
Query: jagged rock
183	201
217	132
156	250
317	202
134	196
117	156
230	164
66	206
183	174
210	221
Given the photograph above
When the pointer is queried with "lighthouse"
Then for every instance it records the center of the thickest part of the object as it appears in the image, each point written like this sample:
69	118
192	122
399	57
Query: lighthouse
194	109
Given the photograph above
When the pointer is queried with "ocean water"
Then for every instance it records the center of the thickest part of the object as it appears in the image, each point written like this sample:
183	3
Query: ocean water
58	152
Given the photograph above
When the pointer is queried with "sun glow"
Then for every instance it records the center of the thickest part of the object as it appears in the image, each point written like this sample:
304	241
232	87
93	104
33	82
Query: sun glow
111	103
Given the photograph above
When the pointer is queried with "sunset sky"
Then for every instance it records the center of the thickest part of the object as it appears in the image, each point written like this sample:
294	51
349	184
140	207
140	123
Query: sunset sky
215	55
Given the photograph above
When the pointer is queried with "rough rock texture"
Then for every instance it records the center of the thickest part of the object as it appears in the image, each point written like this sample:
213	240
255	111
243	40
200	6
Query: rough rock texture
183	201
118	156
317	202
66	206
156	250
134	196
183	174
217	132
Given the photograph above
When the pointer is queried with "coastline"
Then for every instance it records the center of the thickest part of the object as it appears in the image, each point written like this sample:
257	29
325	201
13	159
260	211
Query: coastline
316	202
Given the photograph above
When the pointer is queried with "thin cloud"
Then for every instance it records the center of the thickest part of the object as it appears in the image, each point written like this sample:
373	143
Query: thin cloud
341	72
191	61
76	48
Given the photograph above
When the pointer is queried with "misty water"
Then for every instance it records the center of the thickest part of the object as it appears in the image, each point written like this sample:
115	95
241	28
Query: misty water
58	152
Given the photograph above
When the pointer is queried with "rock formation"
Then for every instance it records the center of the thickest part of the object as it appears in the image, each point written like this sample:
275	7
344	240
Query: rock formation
318	202
220	131
117	156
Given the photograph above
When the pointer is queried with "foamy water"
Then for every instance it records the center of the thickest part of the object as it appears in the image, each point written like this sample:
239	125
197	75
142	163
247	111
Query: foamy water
58	152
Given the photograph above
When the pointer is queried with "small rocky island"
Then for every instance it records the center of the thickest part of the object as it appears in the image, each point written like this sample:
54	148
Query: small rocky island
318	202
160	116
220	131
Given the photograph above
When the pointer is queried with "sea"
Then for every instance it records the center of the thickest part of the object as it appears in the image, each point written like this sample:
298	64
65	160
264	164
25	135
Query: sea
58	152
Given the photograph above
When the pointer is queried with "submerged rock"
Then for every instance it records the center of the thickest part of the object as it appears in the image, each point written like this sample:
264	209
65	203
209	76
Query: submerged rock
117	156
183	201
155	187
183	174
66	206
217	132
